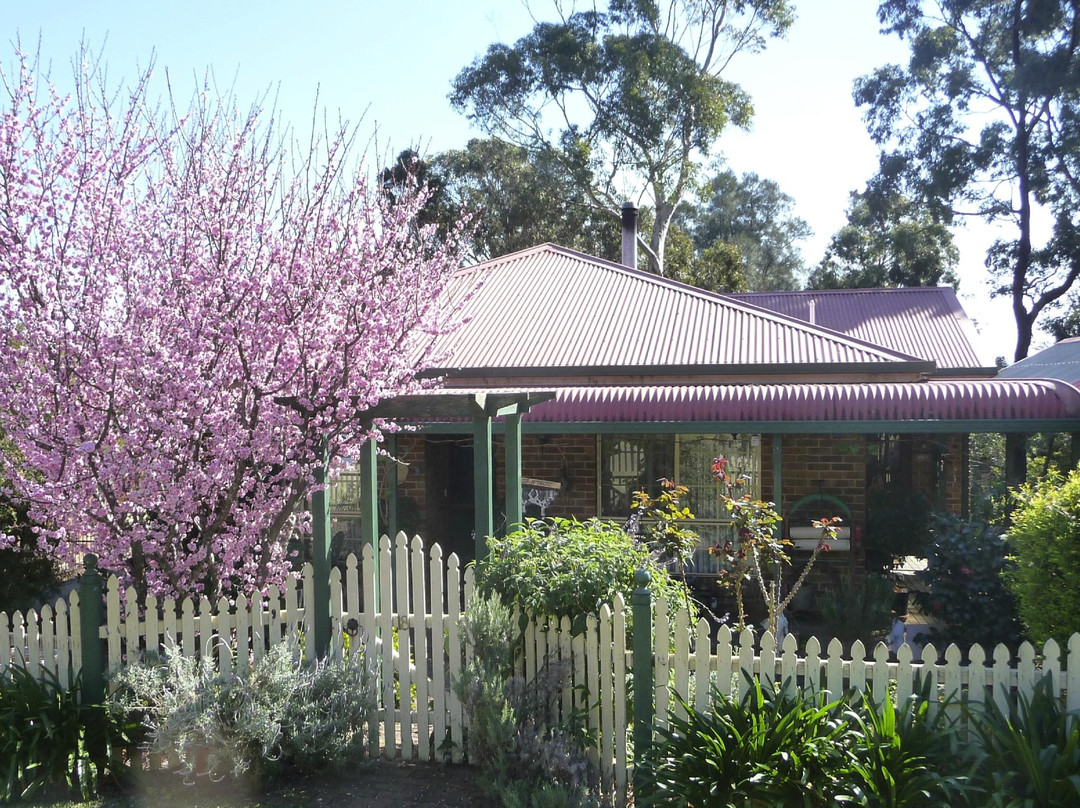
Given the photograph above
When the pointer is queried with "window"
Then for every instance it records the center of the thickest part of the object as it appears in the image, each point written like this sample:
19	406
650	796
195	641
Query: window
631	463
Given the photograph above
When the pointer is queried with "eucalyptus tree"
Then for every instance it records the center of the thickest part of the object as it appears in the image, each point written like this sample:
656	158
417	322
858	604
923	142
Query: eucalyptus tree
629	99
888	241
984	121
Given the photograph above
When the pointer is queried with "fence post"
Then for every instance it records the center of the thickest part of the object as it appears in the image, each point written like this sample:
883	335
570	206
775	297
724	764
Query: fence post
641	602
91	618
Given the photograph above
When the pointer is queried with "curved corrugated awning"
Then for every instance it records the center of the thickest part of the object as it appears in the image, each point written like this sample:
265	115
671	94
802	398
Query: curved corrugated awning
954	400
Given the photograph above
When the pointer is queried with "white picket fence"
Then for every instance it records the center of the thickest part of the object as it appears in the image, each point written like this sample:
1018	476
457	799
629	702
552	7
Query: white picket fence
409	623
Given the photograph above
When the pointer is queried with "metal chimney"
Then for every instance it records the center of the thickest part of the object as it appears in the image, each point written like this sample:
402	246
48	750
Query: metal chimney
629	235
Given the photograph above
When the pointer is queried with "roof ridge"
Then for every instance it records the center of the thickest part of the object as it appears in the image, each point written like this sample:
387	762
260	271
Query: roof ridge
694	291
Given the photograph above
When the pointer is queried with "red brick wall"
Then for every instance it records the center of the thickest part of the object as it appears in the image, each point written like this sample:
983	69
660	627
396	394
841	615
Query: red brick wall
566	459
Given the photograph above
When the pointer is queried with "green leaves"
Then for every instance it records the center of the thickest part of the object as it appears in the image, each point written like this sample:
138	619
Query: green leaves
49	739
1045	543
639	87
566	567
1027	756
983	121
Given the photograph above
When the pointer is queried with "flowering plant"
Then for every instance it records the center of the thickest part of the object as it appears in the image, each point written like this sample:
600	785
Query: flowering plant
759	544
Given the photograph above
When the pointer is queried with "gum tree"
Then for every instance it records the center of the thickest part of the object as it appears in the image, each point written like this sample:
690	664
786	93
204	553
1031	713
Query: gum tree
629	99
192	308
984	122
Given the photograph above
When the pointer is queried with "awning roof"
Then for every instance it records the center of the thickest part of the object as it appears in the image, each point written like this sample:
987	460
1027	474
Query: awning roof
951	400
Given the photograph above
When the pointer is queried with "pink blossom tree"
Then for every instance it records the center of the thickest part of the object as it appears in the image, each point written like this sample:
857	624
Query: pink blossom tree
192	306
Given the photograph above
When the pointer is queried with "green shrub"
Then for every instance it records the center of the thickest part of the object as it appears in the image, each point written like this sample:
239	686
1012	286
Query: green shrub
523	761
287	716
566	567
965	562
904	756
860	610
897	524
769	749
1028	755
48	739
1045	544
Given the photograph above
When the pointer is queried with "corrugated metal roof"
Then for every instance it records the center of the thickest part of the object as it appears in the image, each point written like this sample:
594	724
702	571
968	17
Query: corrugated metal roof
551	307
928	322
1060	361
984	399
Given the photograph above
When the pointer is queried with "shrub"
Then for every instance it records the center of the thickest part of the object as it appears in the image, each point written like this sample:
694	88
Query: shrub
860	610
524	762
769	749
566	567
288	715
965	562
903	755
897	524
48	738
1028	755
1045	543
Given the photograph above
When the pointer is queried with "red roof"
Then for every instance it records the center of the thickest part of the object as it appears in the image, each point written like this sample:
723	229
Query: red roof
928	322
983	399
554	308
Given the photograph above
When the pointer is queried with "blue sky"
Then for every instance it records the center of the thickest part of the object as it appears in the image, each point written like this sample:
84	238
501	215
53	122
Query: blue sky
389	66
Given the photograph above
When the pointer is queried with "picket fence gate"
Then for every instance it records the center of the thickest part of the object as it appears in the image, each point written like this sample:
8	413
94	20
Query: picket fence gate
408	623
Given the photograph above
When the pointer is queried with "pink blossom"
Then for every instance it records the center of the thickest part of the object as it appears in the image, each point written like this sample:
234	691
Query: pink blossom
187	310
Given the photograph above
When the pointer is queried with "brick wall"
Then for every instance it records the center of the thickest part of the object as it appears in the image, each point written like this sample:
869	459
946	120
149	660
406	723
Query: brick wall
566	459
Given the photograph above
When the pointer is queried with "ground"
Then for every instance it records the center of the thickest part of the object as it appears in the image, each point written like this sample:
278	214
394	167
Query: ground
384	784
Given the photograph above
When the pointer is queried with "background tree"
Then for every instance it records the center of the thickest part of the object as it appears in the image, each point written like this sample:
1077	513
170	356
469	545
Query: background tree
985	121
190	310
519	198
628	99
887	241
755	217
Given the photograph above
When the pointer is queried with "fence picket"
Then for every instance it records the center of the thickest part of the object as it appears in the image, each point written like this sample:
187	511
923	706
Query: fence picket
386	650
724	661
661	663
607	702
682	661
48	640
438	658
857	668
702	660
566	662
834	669
767	672
789	665
404	646
1072	679
112	624
33	635
420	646
746	661
592	669
619	638
372	644
63	644
812	668
453	602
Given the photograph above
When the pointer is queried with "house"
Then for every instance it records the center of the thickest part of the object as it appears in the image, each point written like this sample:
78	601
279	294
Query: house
823	399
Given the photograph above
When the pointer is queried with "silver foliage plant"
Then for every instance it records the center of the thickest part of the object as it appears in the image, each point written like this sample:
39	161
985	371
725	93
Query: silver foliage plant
287	715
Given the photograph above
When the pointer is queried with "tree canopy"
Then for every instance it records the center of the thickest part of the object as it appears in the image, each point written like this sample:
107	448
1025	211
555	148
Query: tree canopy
192	309
887	241
519	198
628	100
755	217
984	121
